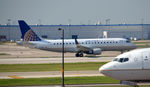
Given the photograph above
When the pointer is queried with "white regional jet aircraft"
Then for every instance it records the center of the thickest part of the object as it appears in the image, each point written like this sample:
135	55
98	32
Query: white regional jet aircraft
80	46
129	67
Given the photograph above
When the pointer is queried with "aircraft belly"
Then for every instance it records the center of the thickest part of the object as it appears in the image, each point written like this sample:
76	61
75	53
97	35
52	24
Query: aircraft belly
115	48
111	48
66	49
131	74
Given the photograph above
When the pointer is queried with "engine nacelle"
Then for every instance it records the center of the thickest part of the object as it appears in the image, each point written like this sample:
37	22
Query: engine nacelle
95	51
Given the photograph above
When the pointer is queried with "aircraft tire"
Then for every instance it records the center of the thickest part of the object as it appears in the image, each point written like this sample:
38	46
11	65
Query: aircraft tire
79	55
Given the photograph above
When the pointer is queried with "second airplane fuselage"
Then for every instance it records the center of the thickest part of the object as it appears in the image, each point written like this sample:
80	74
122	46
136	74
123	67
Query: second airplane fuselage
105	44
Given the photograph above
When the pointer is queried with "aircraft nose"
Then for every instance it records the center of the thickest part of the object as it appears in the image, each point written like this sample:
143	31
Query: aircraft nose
106	69
133	45
103	70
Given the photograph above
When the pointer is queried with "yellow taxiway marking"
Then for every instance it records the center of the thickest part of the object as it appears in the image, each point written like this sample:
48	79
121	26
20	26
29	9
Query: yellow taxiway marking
15	77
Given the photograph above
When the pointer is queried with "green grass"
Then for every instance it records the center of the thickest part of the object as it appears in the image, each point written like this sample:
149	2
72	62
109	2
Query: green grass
1	43
143	46
111	86
141	42
49	67
54	81
4	54
122	86
57	81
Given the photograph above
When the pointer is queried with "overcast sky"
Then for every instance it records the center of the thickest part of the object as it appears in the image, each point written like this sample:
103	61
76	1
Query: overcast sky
75	11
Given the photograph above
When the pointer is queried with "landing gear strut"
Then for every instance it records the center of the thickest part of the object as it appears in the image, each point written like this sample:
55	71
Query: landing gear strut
79	54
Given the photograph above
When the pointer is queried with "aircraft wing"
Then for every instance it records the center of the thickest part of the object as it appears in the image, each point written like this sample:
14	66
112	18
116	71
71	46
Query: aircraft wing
81	47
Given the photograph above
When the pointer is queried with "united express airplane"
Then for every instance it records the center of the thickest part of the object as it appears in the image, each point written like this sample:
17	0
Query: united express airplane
79	46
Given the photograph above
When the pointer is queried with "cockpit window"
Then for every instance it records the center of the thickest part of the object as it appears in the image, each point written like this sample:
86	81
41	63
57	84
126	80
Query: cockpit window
121	59
116	59
128	41
126	59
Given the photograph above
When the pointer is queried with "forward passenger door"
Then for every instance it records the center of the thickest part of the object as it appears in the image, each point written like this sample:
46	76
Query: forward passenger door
146	60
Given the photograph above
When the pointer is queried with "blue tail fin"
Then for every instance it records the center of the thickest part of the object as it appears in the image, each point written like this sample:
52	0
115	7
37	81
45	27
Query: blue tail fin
27	33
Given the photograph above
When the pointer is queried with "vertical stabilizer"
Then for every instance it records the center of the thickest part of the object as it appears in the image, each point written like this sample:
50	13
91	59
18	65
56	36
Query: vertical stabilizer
27	33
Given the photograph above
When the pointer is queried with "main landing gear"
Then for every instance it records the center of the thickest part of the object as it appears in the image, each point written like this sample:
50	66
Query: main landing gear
79	54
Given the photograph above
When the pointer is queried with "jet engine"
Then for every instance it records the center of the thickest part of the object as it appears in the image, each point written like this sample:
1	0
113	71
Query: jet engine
95	51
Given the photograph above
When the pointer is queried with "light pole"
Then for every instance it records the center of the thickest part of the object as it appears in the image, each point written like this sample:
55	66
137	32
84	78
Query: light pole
8	24
142	28
62	69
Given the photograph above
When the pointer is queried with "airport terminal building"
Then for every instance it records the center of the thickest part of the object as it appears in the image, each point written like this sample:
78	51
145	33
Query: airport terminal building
136	31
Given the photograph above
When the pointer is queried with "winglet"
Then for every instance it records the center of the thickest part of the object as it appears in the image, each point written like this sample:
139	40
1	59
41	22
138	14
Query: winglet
27	33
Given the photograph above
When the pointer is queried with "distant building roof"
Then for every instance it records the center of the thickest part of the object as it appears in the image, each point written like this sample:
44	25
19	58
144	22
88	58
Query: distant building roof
79	25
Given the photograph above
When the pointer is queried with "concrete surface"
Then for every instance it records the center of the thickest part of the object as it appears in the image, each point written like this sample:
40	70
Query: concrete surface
52	60
16	75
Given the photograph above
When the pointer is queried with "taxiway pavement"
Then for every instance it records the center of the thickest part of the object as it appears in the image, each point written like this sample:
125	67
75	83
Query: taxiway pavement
52	60
76	85
46	74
